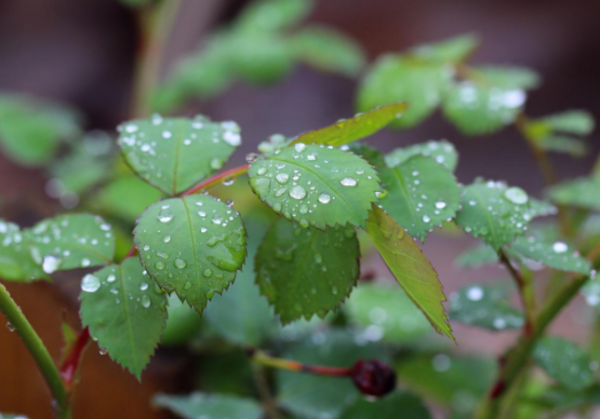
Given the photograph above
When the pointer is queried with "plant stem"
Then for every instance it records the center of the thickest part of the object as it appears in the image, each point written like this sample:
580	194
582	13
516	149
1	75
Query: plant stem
218	179
39	352
265	393
262	358
527	297
155	25
517	358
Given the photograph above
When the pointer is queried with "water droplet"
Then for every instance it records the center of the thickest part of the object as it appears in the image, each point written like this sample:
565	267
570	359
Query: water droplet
159	265
475	294
560	247
349	181
228	181
426	219
299	147
146	301
103	351
187	285
50	264
251	157
180	263
232	138
85	262
143	286
10	327
324	198
90	283
516	195
262	171
440	205
166	239
298	192
111	278
207	273
165	215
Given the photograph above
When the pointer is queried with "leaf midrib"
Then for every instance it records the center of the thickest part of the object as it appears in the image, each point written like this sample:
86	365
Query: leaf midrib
128	316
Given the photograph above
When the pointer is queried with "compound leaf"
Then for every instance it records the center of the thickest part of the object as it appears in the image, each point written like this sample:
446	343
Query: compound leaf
218	406
327	50
442	152
192	245
306	271
348	130
125	313
565	362
72	241
410	267
16	261
315	185
496	213
175	153
485	306
394	78
419	194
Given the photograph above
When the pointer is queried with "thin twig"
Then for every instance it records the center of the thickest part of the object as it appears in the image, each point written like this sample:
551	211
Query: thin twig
523	291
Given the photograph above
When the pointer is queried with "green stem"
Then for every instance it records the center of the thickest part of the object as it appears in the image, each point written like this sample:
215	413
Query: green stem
155	26
525	292
265	393
39	352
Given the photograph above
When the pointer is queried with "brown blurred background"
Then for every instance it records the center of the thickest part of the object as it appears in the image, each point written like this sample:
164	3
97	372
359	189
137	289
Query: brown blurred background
83	52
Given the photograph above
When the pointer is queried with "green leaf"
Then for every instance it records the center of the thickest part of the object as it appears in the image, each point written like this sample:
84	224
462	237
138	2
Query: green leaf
419	194
539	208
252	322
555	255
457	382
306	271
399	404
496	213
443	152
310	396
315	185
31	130
591	291
478	109
72	241
394	78
410	267
485	306
507	77
182	324
387	312
173	154
192	245
581	193
125	313
126	197
328	50
16	260
372	156
273	15
348	130
477	256
571	122
566	363
563	144
218	406
453	50
260	58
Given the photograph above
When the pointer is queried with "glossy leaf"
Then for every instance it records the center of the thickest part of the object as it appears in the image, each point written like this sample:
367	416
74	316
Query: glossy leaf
394	78
496	213
72	241
477	108
399	404
453	50
443	152
349	130
125	313
563	144
310	396
273	15
477	256
252	322
31	130
16	260
306	271
193	246
572	122
327	50
538	208
315	185
218	406
507	77
485	306
581	193
173	154
565	362
410	267
556	255
419	194
386	313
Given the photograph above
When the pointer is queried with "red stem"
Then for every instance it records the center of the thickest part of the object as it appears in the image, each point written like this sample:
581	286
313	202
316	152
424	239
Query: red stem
69	367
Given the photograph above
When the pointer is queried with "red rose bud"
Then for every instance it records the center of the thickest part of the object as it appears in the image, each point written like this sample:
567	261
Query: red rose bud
373	378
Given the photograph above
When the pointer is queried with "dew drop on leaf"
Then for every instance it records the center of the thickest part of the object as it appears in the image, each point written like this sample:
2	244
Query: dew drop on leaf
180	263
159	265
165	215
50	264
560	247
298	192
146	301
516	195
10	327
90	283
349	181
324	198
